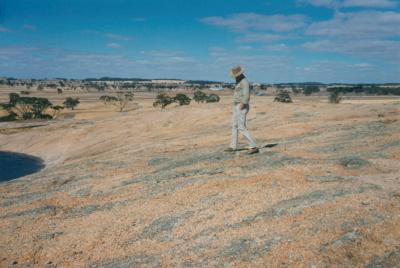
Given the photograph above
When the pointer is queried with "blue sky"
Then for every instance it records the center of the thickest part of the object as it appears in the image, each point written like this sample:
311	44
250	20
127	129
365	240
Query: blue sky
354	41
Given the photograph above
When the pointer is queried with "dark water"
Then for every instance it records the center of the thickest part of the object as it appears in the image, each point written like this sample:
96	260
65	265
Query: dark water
15	165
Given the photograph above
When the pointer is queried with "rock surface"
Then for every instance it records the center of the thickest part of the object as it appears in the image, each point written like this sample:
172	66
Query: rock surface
151	188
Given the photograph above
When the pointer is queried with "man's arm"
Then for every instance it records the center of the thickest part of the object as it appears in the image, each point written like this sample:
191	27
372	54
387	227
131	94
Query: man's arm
245	94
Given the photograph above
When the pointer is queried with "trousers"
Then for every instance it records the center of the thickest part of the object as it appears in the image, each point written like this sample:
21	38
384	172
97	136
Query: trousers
239	125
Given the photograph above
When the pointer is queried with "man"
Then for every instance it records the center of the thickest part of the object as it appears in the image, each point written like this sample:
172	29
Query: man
241	100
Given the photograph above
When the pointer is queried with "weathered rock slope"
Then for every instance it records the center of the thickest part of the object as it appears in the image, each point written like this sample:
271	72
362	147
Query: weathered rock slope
150	188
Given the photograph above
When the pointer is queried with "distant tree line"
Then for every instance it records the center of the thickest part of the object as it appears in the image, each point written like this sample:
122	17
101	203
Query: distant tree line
366	90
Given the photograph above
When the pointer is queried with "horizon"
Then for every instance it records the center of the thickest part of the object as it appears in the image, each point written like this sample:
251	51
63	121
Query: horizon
133	79
91	79
329	41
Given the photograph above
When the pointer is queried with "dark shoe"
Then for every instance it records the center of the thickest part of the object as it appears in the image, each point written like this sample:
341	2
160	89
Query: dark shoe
253	151
230	149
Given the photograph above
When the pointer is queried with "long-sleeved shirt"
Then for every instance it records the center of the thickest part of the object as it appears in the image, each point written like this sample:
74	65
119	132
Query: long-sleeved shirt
242	92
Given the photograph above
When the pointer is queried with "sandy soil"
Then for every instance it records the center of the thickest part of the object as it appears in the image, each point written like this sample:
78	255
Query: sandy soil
152	188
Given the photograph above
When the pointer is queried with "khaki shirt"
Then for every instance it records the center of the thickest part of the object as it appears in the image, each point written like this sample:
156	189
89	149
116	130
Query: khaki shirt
242	92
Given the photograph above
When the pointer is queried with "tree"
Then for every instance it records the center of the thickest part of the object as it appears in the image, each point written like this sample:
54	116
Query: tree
335	97
38	106
162	100
13	98
27	107
212	98
71	103
283	96
120	101
199	96
182	99
59	91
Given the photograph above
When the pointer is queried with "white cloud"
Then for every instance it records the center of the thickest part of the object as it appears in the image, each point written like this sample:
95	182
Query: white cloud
139	19
117	36
278	48
351	3
29	27
370	3
259	37
321	3
4	30
166	58
365	34
112	36
113	45
243	22
364	24
245	48
362	65
386	50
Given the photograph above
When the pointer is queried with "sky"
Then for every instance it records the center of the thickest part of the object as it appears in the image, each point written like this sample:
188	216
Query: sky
331	41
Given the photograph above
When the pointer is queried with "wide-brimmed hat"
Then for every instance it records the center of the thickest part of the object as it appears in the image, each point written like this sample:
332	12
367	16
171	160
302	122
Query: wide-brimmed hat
236	71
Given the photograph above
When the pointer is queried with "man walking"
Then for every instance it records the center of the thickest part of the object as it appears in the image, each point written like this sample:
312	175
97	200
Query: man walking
241	100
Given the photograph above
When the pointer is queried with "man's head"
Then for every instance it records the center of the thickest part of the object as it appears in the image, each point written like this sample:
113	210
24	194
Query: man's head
237	72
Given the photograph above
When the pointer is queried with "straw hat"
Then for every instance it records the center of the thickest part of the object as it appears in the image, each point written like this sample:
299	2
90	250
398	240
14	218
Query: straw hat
236	71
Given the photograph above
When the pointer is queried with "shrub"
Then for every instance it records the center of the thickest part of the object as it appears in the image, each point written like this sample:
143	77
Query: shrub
182	99
335	96
25	92
199	96
213	98
59	91
163	100
283	96
71	103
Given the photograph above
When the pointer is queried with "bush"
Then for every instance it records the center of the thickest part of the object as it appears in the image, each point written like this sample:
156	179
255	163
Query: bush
213	98
283	96
182	99
162	100
335	97
59	91
200	96
71	103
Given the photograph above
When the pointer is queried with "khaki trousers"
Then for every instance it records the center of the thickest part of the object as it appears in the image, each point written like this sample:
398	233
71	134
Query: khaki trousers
239	125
